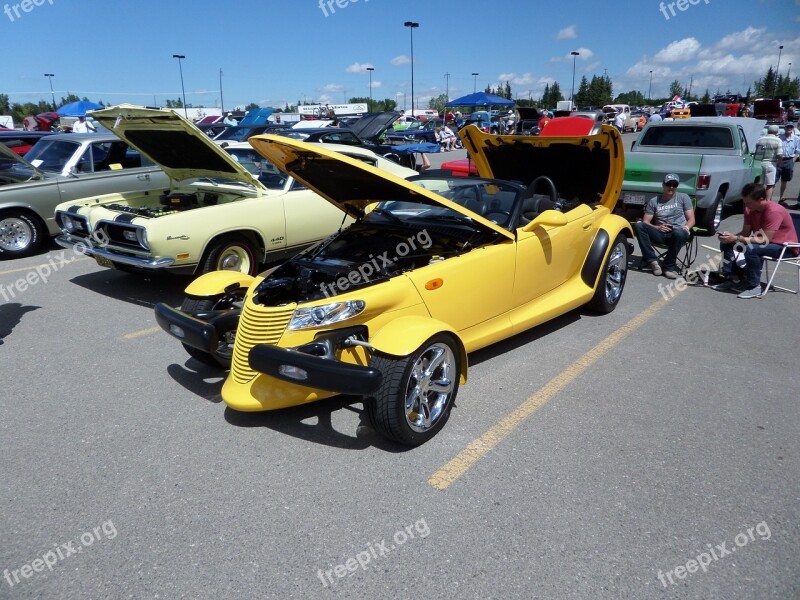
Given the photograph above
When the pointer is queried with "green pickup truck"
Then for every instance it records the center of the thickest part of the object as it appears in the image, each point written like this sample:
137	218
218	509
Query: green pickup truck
714	158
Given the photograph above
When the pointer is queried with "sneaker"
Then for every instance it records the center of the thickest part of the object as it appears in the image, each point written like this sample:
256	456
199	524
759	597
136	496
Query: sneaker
656	268
752	293
670	274
728	285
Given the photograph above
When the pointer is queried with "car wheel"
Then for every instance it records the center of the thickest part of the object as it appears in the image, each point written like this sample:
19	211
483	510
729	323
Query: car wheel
711	217
231	253
417	391
20	234
612	278
222	356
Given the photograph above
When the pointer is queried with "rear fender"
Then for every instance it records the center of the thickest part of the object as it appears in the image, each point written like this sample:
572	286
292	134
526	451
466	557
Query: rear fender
404	336
216	282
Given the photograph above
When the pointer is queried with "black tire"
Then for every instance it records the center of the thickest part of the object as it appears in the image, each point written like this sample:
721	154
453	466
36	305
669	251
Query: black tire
612	278
710	218
224	354
423	420
232	253
21	234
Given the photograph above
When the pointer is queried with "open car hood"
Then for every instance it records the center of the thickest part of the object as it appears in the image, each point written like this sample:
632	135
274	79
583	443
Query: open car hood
349	184
370	127
589	168
173	143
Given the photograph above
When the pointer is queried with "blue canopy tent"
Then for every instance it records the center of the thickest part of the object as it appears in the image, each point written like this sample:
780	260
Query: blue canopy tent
481	99
78	109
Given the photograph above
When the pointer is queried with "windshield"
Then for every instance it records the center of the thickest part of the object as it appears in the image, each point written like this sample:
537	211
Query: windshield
14	171
495	201
236	134
265	171
51	155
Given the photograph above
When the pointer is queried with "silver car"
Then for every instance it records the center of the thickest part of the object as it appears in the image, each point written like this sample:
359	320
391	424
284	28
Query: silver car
64	167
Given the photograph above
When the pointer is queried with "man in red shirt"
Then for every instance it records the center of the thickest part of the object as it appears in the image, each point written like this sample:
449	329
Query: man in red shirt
767	225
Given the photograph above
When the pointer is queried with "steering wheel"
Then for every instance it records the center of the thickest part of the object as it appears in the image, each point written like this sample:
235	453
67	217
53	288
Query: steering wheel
551	186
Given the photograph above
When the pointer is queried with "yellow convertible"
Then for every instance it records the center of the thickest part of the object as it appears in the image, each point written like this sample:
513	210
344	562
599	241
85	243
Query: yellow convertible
432	269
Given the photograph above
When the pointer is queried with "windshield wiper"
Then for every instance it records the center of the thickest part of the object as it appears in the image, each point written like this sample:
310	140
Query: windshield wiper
388	214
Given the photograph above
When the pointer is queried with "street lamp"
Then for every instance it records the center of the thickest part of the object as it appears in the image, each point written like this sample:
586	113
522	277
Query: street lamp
183	91
370	69
574	58
777	71
221	102
475	82
412	25
50	77
650	86
788	73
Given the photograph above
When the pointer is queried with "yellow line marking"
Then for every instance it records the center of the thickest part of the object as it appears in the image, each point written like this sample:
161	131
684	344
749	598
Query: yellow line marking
136	334
34	267
459	465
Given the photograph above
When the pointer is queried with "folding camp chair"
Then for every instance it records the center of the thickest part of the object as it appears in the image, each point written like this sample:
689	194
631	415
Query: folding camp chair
787	257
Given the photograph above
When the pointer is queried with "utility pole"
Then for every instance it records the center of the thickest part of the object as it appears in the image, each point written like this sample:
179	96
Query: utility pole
221	103
447	86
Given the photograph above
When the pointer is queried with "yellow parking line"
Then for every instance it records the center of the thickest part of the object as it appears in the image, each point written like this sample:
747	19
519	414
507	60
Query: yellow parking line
34	267
459	465
136	334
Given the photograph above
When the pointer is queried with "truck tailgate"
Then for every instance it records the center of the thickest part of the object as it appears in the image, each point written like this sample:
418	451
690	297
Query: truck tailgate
644	173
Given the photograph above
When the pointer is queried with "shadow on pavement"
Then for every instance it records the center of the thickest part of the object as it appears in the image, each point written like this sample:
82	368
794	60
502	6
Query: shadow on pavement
11	316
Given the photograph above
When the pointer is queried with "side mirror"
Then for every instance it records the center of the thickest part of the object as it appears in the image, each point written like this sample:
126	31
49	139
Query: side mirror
633	143
549	218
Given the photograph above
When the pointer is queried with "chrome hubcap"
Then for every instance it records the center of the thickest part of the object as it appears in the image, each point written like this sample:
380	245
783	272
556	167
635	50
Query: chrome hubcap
430	386
235	259
15	234
718	214
615	274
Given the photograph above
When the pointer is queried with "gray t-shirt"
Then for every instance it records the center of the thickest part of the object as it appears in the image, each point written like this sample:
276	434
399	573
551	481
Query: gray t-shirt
672	212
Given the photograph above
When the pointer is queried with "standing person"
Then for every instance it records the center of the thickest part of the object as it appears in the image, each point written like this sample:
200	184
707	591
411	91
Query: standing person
770	148
791	113
668	220
619	121
655	117
791	153
229	121
767	225
83	126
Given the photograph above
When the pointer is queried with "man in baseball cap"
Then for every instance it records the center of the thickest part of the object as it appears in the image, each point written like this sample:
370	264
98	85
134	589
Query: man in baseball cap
791	153
668	220
770	149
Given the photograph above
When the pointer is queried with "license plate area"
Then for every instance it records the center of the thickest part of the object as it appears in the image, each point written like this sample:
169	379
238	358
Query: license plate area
104	262
633	198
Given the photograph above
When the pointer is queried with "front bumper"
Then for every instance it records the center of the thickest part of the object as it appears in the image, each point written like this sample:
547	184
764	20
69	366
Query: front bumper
143	262
312	371
200	333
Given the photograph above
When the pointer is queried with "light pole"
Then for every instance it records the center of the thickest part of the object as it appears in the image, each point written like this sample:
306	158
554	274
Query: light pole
650	86
52	93
777	71
574	58
788	73
183	91
370	69
412	25
475	82
221	103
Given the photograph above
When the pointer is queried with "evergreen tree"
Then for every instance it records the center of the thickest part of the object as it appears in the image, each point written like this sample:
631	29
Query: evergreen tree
675	88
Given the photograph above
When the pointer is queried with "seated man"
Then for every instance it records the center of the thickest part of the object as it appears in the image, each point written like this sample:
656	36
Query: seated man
767	225
668	221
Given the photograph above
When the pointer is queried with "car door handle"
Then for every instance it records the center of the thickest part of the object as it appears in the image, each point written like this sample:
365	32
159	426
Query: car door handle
588	225
144	177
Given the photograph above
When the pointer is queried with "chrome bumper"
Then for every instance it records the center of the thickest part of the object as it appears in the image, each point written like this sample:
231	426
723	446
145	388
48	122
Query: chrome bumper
80	245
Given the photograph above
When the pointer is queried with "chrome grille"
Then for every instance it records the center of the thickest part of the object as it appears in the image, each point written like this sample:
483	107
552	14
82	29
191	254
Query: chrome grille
257	325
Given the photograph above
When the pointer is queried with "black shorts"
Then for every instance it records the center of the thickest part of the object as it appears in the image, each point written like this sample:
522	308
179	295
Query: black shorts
785	170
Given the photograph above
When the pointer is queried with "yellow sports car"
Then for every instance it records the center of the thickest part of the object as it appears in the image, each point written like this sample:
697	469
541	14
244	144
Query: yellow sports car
432	269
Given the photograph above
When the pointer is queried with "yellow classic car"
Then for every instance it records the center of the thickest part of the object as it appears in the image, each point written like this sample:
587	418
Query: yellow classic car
225	209
432	268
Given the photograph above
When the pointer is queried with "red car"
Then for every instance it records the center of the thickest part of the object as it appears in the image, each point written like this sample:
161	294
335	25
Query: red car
20	142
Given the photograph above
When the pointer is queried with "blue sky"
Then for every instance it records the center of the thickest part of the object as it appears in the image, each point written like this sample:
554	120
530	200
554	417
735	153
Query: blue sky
274	52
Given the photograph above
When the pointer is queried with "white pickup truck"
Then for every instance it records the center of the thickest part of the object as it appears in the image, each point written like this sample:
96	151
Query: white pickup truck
713	157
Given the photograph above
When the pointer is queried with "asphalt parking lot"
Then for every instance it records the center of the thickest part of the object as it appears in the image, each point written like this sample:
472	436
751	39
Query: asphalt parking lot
649	453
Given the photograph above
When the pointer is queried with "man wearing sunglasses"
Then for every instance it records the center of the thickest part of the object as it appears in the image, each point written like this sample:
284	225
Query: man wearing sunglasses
668	220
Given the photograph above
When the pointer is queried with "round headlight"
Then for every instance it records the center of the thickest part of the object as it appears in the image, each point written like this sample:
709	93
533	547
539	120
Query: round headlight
67	223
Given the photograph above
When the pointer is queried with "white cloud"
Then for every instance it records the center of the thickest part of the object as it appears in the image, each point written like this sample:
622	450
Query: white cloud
568	33
584	54
678	51
400	60
741	40
514	79
377	84
332	88
358	67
